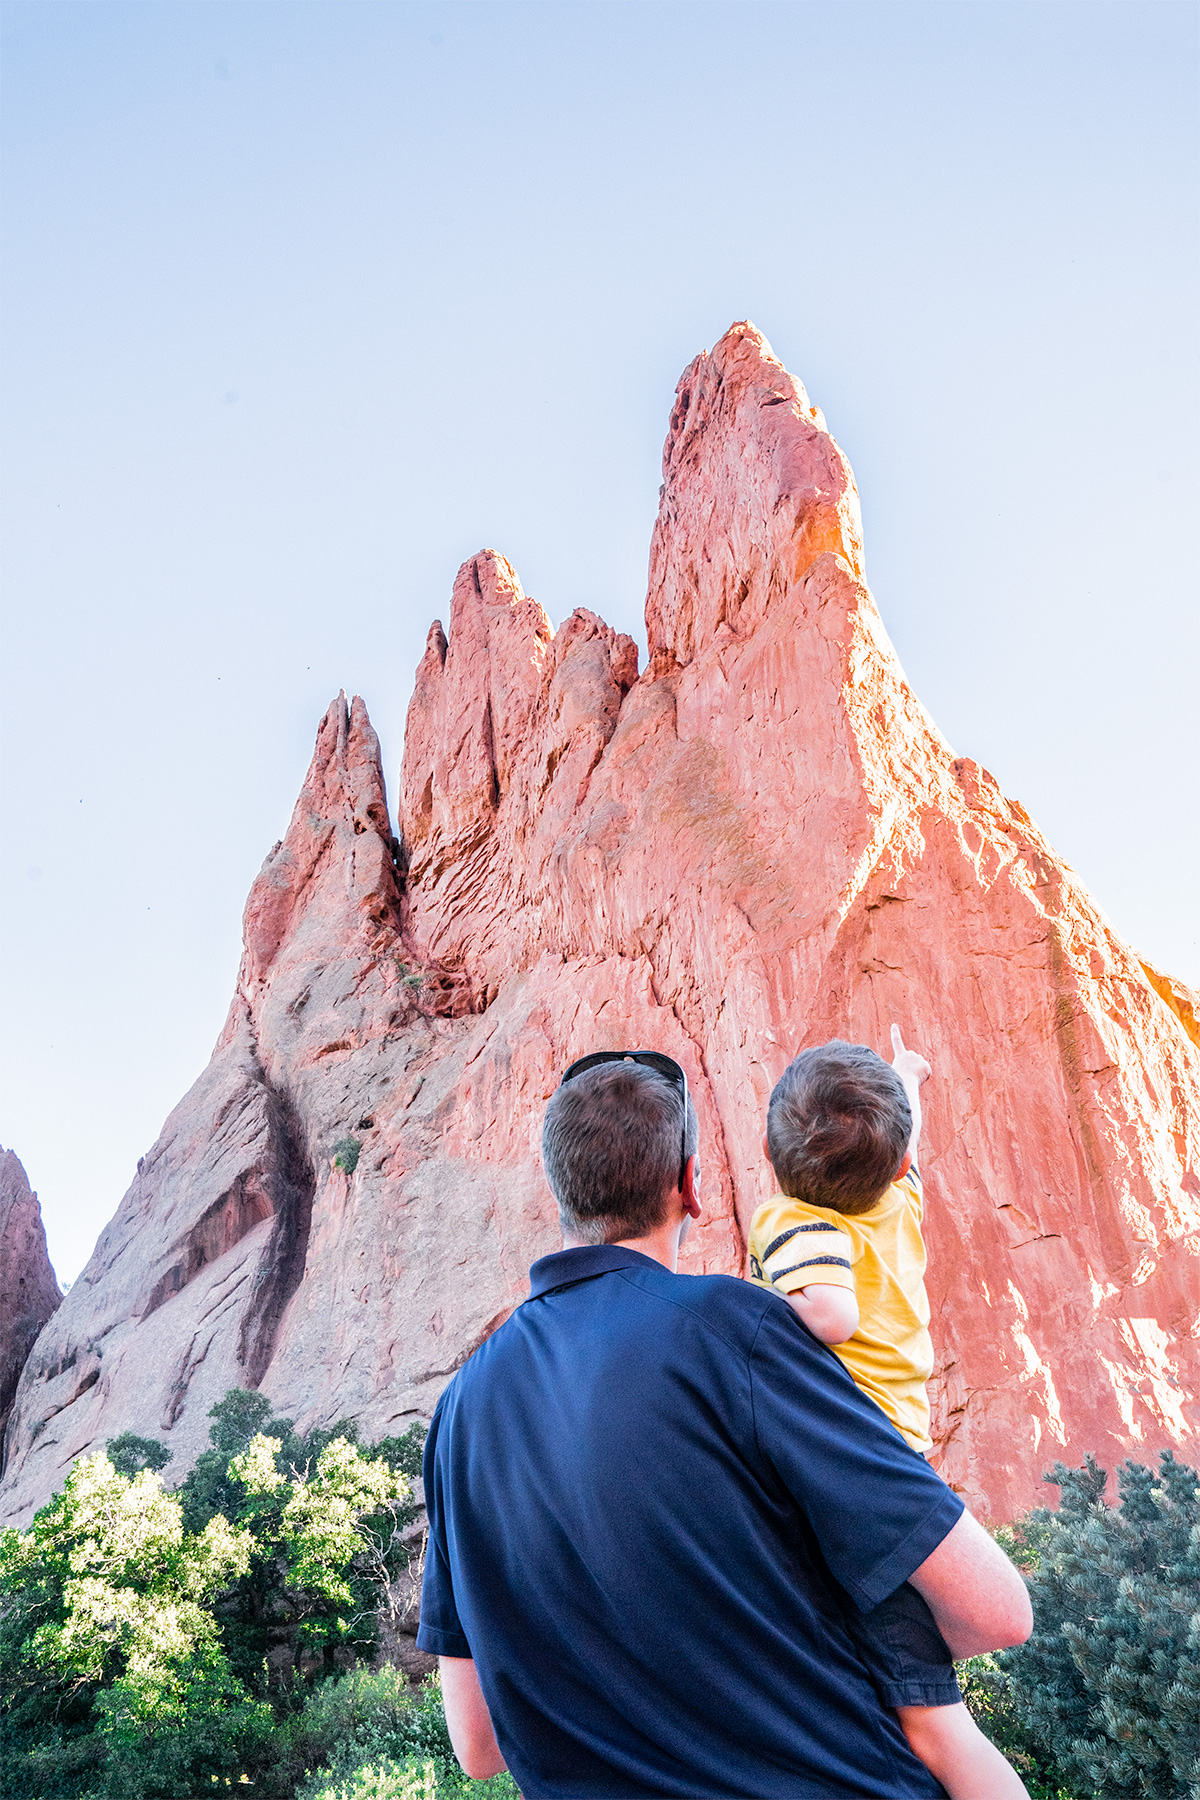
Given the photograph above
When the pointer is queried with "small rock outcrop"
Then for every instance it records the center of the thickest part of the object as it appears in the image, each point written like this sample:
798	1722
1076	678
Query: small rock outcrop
28	1290
759	842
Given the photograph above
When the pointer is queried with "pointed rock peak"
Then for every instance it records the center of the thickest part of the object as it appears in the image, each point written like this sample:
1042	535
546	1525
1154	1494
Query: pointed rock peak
485	581
497	633
434	659
754	492
338	844
745	353
29	1292
475	697
345	776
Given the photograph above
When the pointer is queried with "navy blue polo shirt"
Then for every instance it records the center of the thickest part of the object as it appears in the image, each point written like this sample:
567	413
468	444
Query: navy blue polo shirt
652	1499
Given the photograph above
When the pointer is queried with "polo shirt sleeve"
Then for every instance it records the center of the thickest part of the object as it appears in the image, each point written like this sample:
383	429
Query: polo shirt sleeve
440	1632
874	1506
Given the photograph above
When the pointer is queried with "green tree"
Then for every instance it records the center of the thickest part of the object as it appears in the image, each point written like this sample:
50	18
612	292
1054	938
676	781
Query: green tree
129	1454
336	1530
278	1632
107	1624
210	1489
141	1632
1109	1681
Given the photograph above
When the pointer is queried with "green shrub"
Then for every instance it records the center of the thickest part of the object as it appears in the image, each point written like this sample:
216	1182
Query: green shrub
1109	1683
387	1781
346	1153
370	1725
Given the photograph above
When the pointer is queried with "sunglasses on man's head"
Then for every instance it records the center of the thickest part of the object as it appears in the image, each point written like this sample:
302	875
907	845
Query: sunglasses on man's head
649	1059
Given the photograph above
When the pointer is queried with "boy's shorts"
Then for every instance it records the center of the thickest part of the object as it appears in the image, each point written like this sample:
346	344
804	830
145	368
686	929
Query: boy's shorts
906	1655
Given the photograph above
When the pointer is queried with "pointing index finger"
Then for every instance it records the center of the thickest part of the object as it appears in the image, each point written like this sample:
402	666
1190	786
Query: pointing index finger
897	1041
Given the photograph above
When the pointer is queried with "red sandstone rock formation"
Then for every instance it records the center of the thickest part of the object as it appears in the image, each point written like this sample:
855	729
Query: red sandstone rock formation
760	842
28	1291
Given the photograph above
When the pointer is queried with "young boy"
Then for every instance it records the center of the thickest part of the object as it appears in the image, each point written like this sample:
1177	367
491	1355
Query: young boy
842	1242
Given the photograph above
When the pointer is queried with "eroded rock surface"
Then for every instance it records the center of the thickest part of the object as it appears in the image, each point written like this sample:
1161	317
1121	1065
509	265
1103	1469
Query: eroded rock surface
28	1290
760	842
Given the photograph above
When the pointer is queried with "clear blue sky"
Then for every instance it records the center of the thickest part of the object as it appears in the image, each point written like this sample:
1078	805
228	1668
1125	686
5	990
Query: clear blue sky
304	303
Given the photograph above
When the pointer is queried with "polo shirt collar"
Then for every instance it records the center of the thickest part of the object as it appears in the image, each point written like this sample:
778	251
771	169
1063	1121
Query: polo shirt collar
569	1266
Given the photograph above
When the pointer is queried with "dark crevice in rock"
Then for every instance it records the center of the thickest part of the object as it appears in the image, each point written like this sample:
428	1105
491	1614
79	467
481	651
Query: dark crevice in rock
293	1185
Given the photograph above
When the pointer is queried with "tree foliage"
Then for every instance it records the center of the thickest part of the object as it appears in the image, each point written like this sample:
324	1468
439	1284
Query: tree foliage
299	1612
152	1641
1109	1682
107	1623
129	1454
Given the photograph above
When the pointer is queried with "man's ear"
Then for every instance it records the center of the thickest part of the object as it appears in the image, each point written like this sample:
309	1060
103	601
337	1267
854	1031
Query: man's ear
689	1194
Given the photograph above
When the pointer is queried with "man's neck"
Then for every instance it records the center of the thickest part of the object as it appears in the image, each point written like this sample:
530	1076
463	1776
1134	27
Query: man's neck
662	1245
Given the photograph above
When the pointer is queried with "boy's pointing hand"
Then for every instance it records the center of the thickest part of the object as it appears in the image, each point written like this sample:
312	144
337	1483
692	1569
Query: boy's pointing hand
910	1065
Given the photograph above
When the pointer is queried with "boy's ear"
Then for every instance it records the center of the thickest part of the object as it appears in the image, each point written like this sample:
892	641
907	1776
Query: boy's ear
905	1166
766	1152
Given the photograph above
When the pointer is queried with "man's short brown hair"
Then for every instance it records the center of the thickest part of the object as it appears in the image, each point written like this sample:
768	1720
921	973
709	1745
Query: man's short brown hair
838	1124
610	1149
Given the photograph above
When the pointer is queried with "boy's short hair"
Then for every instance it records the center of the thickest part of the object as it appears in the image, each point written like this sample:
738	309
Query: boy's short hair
838	1124
610	1149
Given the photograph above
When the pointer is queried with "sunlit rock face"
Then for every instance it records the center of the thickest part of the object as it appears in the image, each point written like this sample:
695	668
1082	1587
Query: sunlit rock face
759	843
28	1291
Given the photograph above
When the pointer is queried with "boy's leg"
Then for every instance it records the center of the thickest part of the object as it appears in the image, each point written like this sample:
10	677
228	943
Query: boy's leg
952	1747
913	1673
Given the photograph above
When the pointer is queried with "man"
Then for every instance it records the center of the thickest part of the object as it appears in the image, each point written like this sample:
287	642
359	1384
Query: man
653	1499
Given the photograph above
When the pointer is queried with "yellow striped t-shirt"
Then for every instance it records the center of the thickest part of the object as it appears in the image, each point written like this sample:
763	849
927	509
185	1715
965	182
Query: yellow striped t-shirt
880	1256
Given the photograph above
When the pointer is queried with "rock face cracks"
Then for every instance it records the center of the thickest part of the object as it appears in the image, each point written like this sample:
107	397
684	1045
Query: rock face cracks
758	843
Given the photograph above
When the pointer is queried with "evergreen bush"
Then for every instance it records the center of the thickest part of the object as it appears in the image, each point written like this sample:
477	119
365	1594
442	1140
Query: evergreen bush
1109	1683
988	1693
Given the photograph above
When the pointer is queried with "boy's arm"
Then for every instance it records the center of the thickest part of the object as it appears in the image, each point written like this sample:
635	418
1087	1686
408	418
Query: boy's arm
831	1313
912	1069
810	1261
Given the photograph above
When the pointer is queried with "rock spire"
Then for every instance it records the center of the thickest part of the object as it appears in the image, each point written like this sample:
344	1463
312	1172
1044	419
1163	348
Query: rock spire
759	842
29	1293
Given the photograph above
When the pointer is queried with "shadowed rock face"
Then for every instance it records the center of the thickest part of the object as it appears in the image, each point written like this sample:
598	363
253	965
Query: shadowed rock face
28	1291
759	843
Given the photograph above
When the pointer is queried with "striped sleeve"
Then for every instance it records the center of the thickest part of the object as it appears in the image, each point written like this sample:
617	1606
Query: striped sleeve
800	1254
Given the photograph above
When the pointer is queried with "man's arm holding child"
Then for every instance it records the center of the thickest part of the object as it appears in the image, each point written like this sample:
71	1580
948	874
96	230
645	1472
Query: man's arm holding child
979	1601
